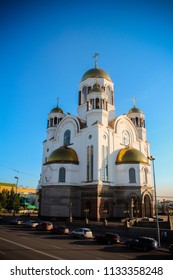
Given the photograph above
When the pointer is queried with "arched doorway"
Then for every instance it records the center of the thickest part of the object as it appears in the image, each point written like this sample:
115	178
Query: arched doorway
147	206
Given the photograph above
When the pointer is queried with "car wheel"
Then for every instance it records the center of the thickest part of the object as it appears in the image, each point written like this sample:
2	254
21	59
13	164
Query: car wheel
109	242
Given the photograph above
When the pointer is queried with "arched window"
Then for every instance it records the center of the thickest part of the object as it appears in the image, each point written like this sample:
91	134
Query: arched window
84	94
51	122
106	206
132	175
97	103
104	169
55	120
137	121
145	176
96	86
67	135
90	163
110	95
88	206
62	174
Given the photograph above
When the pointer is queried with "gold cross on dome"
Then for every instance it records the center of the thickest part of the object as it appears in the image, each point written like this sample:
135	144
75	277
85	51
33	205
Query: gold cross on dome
95	61
134	101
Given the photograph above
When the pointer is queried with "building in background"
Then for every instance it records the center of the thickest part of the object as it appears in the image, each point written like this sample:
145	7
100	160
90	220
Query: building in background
96	162
28	195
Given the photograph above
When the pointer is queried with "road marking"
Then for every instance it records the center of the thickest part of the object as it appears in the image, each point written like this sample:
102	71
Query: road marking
29	248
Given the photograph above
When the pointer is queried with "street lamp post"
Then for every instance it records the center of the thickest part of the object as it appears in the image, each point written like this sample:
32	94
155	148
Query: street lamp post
105	211
15	196
70	212
86	215
155	194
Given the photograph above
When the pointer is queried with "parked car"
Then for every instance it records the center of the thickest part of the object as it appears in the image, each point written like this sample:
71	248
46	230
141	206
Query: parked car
60	230
144	243
82	233
171	249
30	224
159	219
16	221
44	226
108	238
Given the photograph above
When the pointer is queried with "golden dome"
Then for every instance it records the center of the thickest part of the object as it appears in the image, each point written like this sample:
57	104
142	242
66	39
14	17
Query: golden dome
130	155
57	110
95	73
63	155
134	110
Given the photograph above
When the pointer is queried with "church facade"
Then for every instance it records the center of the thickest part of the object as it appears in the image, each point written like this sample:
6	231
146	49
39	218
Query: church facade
96	163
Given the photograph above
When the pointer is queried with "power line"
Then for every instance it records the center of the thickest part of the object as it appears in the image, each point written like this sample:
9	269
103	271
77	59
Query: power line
21	172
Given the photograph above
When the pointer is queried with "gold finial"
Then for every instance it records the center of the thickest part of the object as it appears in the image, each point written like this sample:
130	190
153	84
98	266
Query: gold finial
134	101
95	57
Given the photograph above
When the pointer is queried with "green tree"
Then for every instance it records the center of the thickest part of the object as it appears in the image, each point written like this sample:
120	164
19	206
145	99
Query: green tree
3	199
9	200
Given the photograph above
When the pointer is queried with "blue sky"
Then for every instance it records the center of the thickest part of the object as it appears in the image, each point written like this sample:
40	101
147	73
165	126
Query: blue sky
46	47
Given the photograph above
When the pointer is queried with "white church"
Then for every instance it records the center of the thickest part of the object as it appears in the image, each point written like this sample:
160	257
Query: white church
96	162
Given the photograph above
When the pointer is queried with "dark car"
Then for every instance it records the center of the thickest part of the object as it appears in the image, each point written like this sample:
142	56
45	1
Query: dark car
30	224
108	238
60	230
46	226
171	249
16	221
144	243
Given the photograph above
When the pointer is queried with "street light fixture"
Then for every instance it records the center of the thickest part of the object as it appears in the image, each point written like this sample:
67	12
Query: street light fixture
14	211
155	193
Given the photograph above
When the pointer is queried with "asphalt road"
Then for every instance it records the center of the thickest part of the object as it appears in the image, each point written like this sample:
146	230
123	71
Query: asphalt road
17	243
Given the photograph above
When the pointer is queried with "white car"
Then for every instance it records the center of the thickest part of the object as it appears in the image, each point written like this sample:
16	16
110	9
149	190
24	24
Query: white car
82	233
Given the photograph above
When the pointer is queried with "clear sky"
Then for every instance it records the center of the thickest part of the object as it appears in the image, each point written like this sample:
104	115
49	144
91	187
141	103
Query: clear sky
46	47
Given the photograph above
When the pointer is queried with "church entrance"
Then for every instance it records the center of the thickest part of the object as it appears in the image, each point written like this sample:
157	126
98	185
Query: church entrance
147	206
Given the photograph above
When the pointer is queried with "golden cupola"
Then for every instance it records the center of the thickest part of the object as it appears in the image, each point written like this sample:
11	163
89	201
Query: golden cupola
63	154
130	155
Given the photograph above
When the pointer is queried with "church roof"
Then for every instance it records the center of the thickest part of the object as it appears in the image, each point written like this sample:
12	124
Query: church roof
57	110
95	73
130	155
134	110
82	123
63	155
